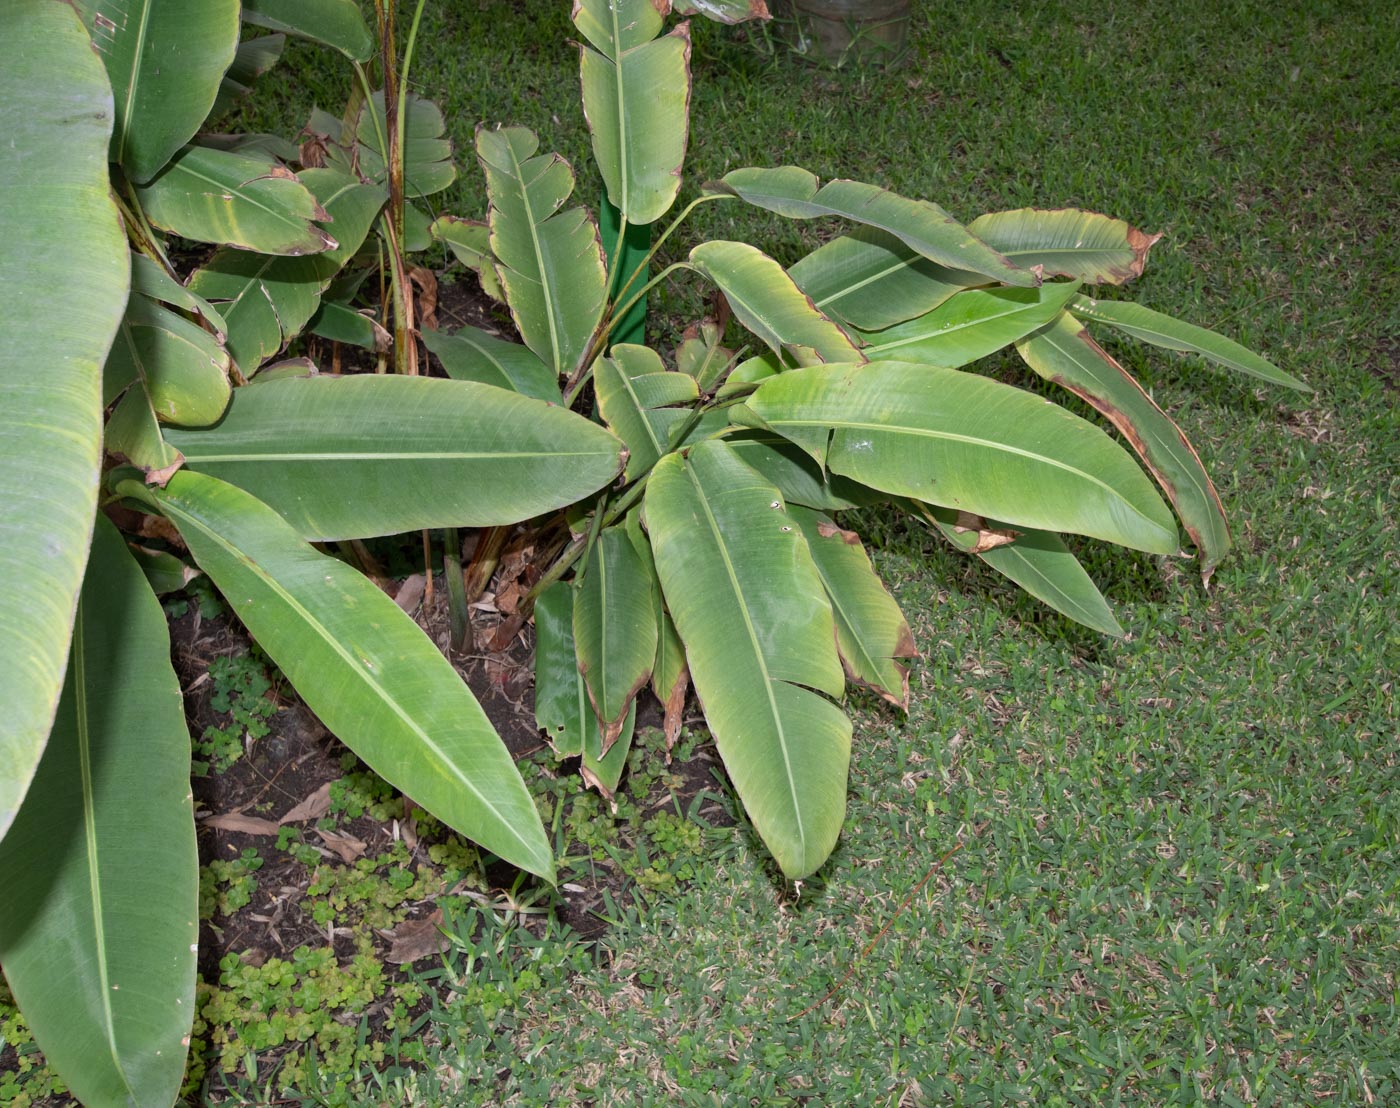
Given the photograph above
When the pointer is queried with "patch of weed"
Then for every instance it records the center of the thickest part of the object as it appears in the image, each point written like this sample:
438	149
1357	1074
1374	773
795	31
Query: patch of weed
24	1078
241	685
227	886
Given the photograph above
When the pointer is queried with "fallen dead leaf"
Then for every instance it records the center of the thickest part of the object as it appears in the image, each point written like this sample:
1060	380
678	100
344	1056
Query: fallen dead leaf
411	592
416	938
316	805
346	847
247	825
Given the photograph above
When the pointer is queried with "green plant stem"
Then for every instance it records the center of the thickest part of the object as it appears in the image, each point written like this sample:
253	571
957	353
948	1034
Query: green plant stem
403	73
138	230
578	546
661	240
593	530
600	343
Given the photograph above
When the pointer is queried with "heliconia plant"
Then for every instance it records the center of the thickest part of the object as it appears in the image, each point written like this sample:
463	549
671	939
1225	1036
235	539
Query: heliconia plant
703	495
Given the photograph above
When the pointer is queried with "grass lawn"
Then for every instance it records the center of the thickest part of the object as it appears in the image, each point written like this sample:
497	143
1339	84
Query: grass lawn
1177	867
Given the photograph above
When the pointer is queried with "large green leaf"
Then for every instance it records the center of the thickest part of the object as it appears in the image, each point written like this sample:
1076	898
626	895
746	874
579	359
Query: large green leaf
1068	242
335	23
637	398
242	200
871	631
800	479
1065	354
791	191
153	282
551	265
766	301
636	97
970	325
724	11
362	665
427	151
470	242
165	59
670	672
99	921
255	57
1172	334
969	443
64	270
470	354
871	279
181	368
758	630
1038	561
267	299
378	455
615	628
562	708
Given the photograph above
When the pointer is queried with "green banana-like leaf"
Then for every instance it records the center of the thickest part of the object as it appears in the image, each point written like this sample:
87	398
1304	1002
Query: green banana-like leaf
636	397
335	23
670	672
968	443
427	151
378	455
702	355
470	242
1065	354
154	283
99	921
551	265
562	709
791	191
970	325
871	631
362	665
342	323
636	97
1038	561
766	301
748	604
615	628
181	368
242	200
800	479
870	279
133	432
1068	242
469	354
724	11
1172	334
254	57
165	59
267	299
63	247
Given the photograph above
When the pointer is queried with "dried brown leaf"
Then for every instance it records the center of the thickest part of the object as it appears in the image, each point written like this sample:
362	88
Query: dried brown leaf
316	805
415	939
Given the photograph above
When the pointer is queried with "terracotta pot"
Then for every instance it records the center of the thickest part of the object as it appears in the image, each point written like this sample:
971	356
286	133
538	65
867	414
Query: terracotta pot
846	32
